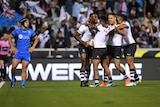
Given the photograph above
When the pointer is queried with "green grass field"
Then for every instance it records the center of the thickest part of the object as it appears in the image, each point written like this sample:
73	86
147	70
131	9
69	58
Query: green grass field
69	94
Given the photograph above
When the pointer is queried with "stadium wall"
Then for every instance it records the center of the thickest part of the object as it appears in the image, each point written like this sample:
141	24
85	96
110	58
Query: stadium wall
46	67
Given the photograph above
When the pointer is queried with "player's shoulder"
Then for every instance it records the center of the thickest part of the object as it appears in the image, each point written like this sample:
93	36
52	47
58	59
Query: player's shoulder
30	30
82	26
126	22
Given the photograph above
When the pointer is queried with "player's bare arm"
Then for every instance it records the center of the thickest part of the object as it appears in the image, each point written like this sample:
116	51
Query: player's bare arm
77	37
13	48
36	39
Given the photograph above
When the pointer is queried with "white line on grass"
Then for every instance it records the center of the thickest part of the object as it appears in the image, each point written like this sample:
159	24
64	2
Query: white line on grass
2	83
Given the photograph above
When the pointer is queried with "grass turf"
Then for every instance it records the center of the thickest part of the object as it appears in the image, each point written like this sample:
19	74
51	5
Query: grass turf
69	94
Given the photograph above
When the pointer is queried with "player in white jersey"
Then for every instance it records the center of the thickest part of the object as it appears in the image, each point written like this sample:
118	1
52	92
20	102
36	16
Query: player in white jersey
114	46
129	46
99	53
84	35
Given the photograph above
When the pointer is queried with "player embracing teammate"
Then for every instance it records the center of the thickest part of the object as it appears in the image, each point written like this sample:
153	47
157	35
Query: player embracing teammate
120	35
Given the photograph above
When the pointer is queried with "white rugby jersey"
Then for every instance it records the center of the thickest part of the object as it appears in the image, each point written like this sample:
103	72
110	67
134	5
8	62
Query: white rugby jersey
128	38
115	39
85	33
101	36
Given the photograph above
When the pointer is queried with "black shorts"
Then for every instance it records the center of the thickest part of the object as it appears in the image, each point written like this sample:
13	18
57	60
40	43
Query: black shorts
114	51
86	50
99	53
5	58
129	50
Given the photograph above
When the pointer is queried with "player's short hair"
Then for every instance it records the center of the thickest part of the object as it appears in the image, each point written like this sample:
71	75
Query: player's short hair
112	14
124	16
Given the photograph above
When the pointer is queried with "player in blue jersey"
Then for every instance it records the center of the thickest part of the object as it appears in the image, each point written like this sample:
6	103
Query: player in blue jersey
22	50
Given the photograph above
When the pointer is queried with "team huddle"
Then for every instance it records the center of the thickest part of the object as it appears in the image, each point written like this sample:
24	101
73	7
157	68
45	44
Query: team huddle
100	42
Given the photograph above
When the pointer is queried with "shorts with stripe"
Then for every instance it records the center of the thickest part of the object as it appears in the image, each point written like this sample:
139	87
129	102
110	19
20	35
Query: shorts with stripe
129	50
114	51
99	53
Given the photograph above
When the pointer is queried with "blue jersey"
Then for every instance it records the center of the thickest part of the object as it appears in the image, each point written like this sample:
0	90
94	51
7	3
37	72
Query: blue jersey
23	38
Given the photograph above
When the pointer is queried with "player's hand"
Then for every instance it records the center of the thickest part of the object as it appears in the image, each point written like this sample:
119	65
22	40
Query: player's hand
31	49
13	49
86	44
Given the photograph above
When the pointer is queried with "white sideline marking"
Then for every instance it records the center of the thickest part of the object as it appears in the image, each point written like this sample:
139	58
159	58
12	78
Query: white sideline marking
2	83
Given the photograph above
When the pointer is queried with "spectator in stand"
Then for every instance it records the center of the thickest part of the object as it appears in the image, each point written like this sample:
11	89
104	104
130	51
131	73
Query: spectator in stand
135	33
143	38
133	7
54	10
122	6
25	12
152	31
147	16
59	41
151	7
76	10
68	6
53	16
110	5
32	24
135	29
136	25
82	17
44	5
39	23
66	32
17	25
43	35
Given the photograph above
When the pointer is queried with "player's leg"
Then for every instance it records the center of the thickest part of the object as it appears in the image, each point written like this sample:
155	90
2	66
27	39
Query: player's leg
129	60
119	67
1	69
129	51
87	72
96	74
24	72
105	80
89	58
15	63
109	58
107	72
117	54
6	61
83	69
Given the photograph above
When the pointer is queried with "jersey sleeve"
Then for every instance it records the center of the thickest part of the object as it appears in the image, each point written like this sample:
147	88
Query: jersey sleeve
104	29
81	29
15	32
33	34
127	23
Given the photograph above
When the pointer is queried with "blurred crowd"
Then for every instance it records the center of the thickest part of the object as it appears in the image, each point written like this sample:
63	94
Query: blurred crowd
61	18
